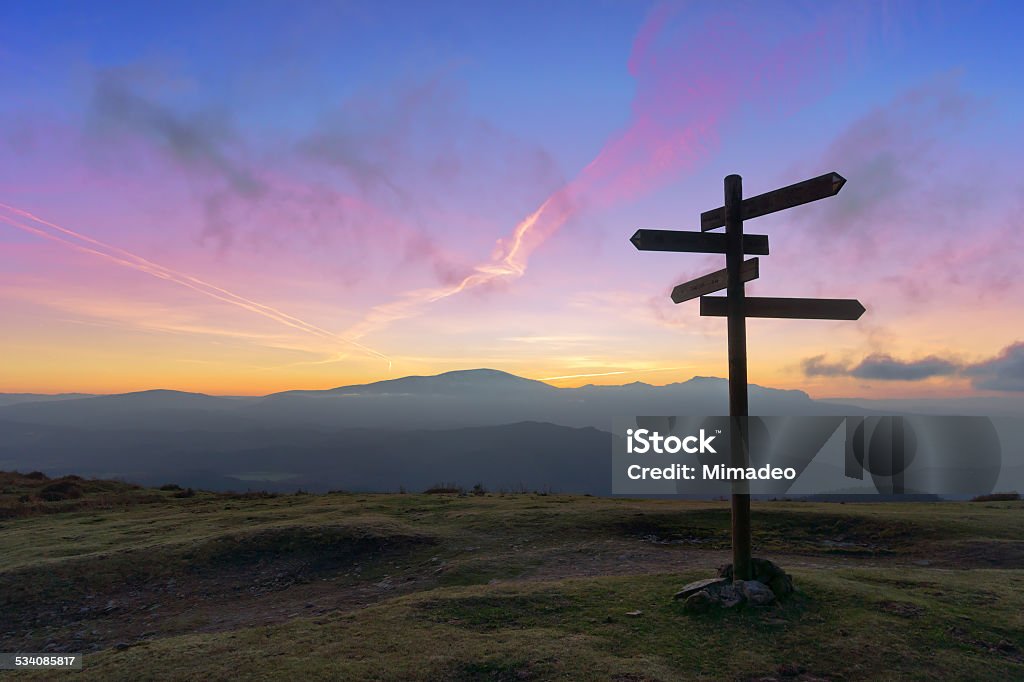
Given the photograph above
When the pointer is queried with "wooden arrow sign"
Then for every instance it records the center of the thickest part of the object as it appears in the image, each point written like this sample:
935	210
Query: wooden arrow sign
821	187
793	308
716	281
679	240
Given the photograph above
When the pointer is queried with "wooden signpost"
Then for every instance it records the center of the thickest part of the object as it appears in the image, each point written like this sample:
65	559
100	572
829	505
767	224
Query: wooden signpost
736	307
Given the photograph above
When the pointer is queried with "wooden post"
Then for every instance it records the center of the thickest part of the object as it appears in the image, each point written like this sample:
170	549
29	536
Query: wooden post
738	409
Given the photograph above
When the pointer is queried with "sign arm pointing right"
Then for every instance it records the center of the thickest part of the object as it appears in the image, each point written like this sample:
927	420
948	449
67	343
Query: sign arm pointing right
821	187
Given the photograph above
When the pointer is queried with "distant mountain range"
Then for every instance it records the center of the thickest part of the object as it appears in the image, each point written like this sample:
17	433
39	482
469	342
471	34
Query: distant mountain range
479	397
464	427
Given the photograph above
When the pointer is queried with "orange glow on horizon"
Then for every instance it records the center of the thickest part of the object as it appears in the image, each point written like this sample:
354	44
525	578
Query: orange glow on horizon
214	379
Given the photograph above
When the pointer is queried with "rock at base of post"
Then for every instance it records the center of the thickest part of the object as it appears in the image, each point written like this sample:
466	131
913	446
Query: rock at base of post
705	595
700	585
754	592
770	584
766	572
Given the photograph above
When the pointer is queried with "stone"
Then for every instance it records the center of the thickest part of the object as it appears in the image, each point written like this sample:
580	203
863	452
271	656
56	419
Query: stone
767	573
756	593
634	614
729	596
699	585
698	602
724	593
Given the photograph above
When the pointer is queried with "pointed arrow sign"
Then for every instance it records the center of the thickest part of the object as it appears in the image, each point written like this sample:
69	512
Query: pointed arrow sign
821	187
794	308
716	281
679	240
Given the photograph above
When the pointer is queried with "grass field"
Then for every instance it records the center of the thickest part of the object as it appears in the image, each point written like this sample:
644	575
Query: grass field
170	584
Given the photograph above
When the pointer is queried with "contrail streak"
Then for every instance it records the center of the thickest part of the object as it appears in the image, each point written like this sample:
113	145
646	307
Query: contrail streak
133	261
511	264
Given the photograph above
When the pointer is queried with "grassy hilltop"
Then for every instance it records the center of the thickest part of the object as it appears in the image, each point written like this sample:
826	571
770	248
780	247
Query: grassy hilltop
176	584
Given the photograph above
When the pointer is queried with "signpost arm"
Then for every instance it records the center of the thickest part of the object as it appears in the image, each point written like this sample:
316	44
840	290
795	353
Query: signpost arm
737	329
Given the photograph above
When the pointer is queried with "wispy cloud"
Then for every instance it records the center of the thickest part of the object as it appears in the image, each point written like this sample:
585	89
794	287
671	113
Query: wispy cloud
817	366
920	211
1003	372
888	368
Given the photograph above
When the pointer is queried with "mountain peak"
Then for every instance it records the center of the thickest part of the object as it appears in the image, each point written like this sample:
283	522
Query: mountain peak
459	381
481	373
158	393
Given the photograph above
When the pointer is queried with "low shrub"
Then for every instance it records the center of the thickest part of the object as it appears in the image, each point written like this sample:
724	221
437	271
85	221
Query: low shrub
444	489
997	497
63	489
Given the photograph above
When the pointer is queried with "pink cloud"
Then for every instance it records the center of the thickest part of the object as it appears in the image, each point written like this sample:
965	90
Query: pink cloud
691	76
919	223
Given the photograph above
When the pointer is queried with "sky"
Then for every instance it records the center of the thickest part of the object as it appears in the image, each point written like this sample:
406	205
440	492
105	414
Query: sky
248	197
